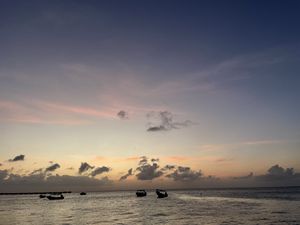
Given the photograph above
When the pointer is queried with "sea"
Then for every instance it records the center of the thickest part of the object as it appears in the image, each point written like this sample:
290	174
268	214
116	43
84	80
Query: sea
211	206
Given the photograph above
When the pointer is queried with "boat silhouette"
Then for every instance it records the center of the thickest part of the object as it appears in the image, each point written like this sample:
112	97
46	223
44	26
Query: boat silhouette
61	197
161	193
82	193
141	193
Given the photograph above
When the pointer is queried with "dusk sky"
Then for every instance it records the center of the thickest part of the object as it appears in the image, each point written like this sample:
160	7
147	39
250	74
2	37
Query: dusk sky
126	94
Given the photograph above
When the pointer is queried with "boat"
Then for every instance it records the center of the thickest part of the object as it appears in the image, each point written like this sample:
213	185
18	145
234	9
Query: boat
82	193
141	193
161	193
61	197
42	196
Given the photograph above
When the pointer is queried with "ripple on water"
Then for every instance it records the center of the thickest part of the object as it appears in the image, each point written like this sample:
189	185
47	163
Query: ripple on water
159	214
180	208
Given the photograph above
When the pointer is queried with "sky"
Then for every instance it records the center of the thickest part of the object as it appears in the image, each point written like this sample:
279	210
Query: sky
103	95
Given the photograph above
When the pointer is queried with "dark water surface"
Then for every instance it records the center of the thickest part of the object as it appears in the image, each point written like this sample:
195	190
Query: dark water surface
239	206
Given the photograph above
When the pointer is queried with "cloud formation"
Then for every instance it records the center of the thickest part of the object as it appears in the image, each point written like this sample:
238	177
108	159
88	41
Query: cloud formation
148	171
84	167
41	182
277	174
123	115
185	174
52	167
100	170
129	173
17	158
277	170
163	121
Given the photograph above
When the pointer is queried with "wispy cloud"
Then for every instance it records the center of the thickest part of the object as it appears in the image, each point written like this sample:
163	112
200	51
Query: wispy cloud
177	159
43	112
213	78
35	114
219	147
263	142
88	111
224	160
163	121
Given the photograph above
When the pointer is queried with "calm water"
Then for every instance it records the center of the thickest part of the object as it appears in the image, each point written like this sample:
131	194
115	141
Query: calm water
247	206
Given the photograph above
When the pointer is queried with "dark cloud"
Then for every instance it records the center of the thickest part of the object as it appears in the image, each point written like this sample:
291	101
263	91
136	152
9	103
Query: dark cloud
52	167
185	174
277	174
41	182
129	173
17	158
163	121
157	128
277	170
84	167
100	170
123	115
147	171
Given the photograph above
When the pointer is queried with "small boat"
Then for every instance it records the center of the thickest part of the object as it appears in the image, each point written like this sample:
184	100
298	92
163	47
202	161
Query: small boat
42	196
82	193
161	193
141	193
61	197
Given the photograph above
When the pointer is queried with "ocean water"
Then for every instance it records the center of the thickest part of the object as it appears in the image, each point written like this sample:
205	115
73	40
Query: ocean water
231	206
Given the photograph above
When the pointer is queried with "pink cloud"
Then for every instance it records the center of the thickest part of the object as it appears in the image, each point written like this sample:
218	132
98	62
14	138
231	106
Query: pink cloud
87	111
33	114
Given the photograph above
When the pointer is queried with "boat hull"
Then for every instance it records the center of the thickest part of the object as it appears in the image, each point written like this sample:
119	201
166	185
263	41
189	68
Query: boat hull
55	198
161	194
141	193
